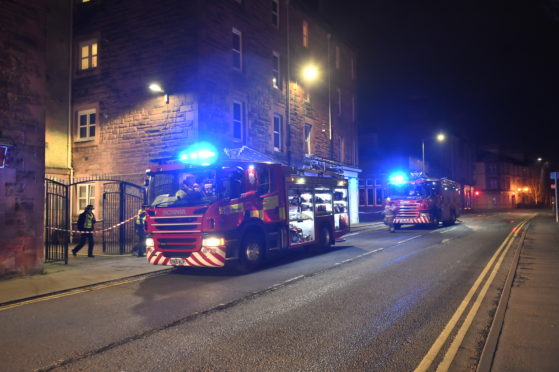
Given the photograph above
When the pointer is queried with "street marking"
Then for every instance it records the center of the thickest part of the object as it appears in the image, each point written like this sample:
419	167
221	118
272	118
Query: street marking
429	358
448	230
408	239
453	349
355	233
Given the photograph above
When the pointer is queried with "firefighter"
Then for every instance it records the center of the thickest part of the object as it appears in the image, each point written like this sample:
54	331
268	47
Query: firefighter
86	222
140	248
390	211
189	189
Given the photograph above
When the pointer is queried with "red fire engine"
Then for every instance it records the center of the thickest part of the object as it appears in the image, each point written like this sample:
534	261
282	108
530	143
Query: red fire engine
239	212
424	201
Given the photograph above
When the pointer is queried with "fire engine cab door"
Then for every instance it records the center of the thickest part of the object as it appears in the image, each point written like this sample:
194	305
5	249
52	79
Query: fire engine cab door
270	210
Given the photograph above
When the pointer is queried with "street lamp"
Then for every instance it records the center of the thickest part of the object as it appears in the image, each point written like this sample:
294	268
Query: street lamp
440	138
156	88
310	73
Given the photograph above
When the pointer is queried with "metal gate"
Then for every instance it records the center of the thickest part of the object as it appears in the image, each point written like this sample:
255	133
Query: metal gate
121	200
56	221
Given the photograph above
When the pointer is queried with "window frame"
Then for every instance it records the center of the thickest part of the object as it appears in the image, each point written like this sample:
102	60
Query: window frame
240	122
308	138
90	58
337	57
87	113
276	70
237	54
305	33
89	195
277	133
275	13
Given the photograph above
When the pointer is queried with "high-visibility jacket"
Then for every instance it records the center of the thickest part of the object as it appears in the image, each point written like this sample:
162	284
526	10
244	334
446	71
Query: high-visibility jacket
141	217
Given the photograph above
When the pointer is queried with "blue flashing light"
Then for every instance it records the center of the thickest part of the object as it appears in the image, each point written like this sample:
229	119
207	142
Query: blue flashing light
201	153
398	178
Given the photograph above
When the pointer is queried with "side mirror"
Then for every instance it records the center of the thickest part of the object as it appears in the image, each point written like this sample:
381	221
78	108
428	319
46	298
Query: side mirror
146	182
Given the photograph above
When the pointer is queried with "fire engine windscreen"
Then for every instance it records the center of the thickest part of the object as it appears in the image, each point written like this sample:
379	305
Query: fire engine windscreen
413	190
192	187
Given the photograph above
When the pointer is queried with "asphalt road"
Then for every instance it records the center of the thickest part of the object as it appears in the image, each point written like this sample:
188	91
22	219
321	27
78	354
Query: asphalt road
378	301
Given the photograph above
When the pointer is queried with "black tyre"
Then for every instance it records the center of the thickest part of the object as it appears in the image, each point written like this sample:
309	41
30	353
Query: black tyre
397	226
324	239
251	253
452	219
435	222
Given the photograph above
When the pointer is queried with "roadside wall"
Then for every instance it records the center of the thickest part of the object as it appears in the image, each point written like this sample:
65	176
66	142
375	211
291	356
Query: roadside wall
22	131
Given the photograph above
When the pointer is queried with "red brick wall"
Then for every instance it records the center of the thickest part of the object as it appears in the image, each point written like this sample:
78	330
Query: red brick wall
22	123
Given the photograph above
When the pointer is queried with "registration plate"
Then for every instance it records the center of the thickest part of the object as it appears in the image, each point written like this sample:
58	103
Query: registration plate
176	261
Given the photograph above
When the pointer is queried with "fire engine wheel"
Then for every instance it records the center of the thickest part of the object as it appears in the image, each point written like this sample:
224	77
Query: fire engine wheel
435	222
251	253
324	239
452	219
397	226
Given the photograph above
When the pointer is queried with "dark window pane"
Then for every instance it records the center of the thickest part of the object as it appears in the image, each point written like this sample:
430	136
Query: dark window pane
92	131
83	132
83	120
92	118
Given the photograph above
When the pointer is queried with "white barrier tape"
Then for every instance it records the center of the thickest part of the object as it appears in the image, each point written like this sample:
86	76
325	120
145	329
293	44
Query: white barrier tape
93	231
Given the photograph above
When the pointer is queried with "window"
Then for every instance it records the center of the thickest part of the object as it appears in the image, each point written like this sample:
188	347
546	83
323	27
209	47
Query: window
87	122
308	129
353	109
493	184
238	120
275	13
341	144
86	195
88	55
278	132
492	168
237	48
276	78
337	57
339	93
305	34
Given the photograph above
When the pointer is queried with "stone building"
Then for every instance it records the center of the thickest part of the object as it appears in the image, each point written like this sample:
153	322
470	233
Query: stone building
504	181
22	135
227	71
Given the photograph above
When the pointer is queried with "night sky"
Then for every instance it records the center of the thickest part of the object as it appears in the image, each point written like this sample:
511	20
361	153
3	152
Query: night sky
487	71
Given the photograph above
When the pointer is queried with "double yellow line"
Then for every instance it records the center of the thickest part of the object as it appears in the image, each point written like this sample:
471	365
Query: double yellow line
431	355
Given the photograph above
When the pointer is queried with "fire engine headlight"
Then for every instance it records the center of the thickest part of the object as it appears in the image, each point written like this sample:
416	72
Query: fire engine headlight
213	241
150	243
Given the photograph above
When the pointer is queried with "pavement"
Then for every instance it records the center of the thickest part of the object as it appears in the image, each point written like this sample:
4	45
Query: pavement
529	338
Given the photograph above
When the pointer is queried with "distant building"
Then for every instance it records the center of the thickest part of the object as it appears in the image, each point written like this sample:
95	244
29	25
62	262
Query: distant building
230	72
506	181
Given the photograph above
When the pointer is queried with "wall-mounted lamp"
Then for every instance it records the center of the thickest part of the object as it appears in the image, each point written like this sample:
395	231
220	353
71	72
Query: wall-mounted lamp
156	88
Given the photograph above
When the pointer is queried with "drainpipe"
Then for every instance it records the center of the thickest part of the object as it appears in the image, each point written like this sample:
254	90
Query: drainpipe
287	90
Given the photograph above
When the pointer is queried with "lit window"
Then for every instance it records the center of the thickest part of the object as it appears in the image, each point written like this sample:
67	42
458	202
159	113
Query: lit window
308	129
238	120
86	1
275	13
237	48
337	57
276	77
339	93
278	132
305	34
86	195
87	123
88	55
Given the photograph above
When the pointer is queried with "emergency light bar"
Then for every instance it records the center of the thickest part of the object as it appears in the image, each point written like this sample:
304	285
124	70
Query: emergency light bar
398	178
201	153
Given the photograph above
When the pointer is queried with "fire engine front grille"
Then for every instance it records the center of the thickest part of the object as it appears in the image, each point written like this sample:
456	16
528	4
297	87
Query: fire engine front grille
408	210
175	227
176	254
176	220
